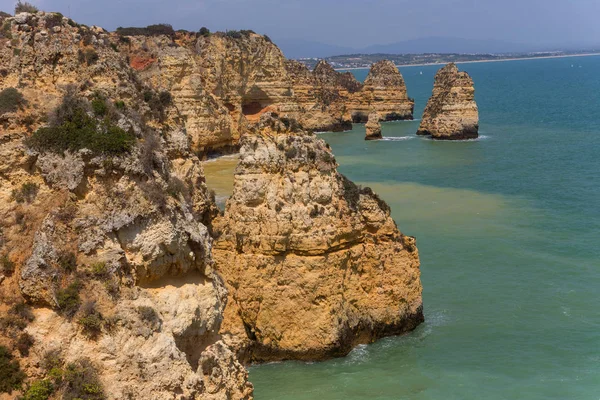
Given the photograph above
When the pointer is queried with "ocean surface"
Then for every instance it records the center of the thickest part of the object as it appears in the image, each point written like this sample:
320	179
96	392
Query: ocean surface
508	229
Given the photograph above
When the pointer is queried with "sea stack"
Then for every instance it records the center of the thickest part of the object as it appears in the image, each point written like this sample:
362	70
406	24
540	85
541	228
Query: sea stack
373	127
451	112
313	263
383	91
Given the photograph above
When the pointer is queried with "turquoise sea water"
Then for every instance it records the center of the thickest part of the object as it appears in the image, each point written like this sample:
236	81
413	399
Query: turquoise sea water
508	229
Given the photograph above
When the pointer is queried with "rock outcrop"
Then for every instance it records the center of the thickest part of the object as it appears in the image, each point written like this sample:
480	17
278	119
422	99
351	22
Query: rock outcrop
373	127
313	263
451	112
384	91
222	84
109	246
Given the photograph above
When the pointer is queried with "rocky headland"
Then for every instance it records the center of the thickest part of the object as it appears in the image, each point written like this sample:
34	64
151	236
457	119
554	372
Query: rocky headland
451	112
119	278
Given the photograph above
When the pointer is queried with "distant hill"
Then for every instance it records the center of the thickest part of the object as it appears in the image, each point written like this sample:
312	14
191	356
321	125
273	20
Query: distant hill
299	48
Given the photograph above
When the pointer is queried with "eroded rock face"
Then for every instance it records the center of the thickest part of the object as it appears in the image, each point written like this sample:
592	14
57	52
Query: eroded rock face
373	127
314	264
222	85
384	91
128	231
451	112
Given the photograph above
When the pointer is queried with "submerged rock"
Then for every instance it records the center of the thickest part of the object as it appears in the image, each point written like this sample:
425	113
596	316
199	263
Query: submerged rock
313	263
451	112
373	127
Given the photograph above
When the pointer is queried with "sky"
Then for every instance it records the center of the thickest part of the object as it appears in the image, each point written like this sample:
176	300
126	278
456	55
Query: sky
353	23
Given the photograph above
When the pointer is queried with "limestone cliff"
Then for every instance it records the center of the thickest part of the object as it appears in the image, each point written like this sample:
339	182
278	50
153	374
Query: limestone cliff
313	263
384	91
373	127
222	84
451	112
105	246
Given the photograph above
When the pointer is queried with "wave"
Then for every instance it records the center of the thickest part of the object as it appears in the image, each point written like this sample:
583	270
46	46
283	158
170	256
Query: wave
396	138
477	139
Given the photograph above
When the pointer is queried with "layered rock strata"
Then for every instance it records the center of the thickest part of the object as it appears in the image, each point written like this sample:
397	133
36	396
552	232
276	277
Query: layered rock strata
313	263
451	112
384	91
111	251
222	84
373	127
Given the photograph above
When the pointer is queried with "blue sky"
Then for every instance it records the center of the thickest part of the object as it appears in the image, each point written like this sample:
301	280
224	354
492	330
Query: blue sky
351	22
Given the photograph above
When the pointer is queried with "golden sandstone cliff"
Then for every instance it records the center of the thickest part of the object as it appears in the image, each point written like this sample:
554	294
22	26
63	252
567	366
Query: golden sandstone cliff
373	127
223	83
313	263
108	285
118	279
451	112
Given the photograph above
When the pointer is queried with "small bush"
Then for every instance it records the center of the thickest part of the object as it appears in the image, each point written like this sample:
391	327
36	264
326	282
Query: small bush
39	390
114	47
149	315
54	19
91	320
66	213
89	56
204	31
99	106
26	193
24	343
11	100
67	261
11	376
233	34
291	152
120	105
268	39
71	128
165	98
100	270
7	266
80	381
68	299
150	30
22	311
24	6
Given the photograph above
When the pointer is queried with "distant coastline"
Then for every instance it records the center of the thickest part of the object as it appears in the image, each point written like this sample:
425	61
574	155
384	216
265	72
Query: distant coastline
482	61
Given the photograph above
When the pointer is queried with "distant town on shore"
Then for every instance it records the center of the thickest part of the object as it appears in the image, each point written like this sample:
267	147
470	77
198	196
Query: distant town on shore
352	61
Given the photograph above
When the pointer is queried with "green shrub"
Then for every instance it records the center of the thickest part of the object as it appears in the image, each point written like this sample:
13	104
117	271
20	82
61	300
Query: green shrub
24	6
24	343
204	31
11	376
22	311
67	261
73	129
149	315
120	105
68	299
99	107
150	30
89	56
80	381
100	270
39	390
53	19
114	47
7	266
291	152
26	193
11	100
91	320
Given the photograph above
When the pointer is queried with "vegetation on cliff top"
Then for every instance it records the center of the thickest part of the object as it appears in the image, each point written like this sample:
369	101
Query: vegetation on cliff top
25	6
11	376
